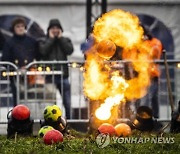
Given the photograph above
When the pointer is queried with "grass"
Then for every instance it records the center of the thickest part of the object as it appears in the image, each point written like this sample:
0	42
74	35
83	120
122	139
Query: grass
84	143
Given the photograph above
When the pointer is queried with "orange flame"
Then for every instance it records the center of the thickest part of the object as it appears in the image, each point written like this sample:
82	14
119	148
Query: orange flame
119	85
103	83
120	27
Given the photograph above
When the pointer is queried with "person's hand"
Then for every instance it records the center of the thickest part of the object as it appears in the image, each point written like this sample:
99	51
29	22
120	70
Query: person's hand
60	34
51	35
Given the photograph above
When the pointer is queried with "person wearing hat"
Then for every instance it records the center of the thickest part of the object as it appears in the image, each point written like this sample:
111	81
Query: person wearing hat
20	49
57	47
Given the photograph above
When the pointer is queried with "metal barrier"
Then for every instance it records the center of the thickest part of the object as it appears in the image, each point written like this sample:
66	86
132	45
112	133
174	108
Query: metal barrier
36	87
163	96
9	87
43	83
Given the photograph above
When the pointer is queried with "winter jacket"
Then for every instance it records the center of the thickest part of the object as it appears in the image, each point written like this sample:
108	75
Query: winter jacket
20	50
56	49
2	41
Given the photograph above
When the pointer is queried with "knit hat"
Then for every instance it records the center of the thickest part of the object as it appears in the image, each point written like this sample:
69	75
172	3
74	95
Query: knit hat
55	22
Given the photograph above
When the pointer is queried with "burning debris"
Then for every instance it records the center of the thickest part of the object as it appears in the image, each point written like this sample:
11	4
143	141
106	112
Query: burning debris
118	35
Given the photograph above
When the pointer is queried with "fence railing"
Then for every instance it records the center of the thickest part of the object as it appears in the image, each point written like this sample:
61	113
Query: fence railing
42	83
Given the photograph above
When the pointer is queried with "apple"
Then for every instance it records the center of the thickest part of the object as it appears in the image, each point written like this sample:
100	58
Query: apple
107	128
21	112
52	137
123	129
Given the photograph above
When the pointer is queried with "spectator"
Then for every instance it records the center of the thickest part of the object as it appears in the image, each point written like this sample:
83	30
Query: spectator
57	47
20	49
2	41
152	95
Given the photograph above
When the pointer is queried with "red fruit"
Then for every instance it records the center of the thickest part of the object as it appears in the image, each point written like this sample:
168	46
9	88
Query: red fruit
123	129
21	112
53	136
107	129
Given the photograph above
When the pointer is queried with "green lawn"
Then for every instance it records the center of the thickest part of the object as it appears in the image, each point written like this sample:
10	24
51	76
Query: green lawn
83	143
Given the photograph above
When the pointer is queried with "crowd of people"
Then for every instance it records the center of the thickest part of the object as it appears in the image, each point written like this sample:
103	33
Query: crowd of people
21	49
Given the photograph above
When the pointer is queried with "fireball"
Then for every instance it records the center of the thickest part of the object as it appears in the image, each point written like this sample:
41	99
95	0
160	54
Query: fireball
106	49
118	28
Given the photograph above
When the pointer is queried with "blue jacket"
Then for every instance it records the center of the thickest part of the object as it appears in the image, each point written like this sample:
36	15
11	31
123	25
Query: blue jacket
20	50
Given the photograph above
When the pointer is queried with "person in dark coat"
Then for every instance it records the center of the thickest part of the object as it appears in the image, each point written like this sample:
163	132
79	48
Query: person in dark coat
57	47
20	49
2	41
